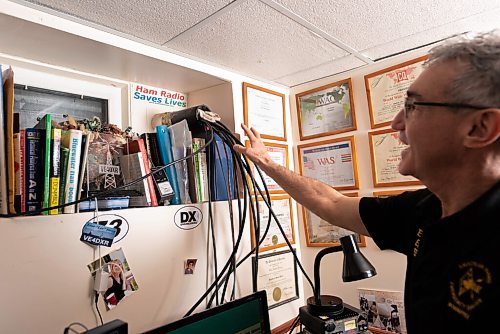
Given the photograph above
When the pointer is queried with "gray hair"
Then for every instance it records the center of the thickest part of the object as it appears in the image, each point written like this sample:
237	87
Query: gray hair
479	81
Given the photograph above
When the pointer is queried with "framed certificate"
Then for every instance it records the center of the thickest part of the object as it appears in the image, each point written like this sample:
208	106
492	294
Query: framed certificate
282	208
326	110
331	161
279	154
386	90
264	110
277	275
385	152
320	233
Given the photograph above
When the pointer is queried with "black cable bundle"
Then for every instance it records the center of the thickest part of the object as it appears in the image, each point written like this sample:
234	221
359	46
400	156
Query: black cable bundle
243	173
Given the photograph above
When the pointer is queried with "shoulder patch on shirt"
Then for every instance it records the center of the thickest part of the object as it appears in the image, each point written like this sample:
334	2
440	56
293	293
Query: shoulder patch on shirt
467	287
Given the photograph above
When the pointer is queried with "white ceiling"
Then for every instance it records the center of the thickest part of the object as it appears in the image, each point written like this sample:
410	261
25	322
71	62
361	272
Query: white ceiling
285	41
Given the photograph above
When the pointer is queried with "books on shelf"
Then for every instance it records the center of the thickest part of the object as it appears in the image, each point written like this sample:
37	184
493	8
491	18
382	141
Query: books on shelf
55	169
62	181
165	148
222	187
137	146
132	166
4	204
83	163
45	124
200	170
34	175
72	140
8	103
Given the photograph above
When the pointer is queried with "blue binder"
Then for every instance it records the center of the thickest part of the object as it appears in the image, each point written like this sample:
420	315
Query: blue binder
223	168
165	148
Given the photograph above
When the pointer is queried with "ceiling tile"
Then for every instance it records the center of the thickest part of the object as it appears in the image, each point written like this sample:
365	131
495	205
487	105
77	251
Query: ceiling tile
363	24
478	23
255	39
153	21
321	71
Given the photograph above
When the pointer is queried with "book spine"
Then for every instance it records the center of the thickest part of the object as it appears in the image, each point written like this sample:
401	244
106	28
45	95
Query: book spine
62	181
147	169
201	170
165	148
75	149
147	191
3	165
22	167
46	170
17	164
8	100
55	169
34	176
86	137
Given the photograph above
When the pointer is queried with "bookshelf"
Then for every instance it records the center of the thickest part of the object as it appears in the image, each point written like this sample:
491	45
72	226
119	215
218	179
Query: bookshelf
44	260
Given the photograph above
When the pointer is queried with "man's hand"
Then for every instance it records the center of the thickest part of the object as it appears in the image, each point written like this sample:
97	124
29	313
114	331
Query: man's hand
257	152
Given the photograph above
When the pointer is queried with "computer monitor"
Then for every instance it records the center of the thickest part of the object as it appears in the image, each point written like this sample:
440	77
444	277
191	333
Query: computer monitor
247	315
113	327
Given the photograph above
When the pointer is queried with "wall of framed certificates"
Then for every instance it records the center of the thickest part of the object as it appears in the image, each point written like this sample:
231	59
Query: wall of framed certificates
342	136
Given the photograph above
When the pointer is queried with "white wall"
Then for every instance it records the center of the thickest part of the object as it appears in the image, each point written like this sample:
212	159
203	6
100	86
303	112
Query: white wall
390	265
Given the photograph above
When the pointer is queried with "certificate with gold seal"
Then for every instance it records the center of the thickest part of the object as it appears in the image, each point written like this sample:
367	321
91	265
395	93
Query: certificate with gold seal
282	208
277	275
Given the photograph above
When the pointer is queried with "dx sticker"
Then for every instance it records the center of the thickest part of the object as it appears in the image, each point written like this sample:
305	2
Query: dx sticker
188	217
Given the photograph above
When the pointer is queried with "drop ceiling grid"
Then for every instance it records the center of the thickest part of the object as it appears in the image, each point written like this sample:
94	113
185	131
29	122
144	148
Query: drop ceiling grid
364	24
315	73
153	21
481	22
254	38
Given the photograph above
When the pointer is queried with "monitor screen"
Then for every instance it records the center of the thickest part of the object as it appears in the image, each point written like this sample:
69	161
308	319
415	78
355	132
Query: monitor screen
247	315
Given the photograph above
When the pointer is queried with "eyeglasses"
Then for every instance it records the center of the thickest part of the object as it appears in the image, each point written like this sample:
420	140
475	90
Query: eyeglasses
410	105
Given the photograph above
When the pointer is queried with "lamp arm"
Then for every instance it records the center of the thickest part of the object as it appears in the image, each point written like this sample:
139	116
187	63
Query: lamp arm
317	261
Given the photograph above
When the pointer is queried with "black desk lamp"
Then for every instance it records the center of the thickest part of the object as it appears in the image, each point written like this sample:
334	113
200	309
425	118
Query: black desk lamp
356	267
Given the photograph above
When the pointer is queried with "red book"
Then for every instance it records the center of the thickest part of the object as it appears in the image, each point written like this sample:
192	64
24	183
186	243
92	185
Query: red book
137	146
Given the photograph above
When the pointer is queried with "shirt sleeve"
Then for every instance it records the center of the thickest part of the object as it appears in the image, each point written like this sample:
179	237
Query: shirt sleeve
391	221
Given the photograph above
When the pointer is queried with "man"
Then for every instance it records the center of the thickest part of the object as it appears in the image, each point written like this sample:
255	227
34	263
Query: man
450	232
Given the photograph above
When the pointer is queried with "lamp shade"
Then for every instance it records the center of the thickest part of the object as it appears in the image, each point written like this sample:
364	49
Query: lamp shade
356	266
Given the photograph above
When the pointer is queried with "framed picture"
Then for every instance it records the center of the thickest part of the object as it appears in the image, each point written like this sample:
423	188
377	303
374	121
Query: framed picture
331	161
264	110
320	233
282	208
326	110
277	275
386	90
383	310
279	154
385	152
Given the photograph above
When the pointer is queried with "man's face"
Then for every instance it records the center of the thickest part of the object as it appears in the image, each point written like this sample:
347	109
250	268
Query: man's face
430	132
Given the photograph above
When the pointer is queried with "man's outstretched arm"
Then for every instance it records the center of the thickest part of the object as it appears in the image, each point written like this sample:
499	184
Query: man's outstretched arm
320	198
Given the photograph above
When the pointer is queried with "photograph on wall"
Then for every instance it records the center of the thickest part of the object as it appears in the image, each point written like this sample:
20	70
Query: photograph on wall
117	280
264	110
384	310
386	90
277	275
279	154
331	161
326	110
385	152
320	233
282	208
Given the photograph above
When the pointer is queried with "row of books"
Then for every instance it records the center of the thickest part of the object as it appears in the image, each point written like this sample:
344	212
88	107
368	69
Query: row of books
53	164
